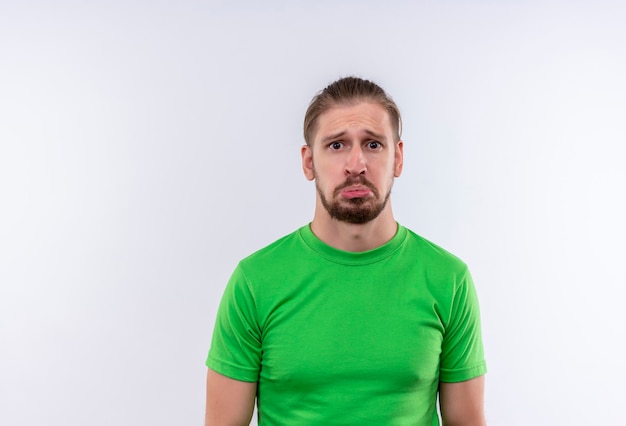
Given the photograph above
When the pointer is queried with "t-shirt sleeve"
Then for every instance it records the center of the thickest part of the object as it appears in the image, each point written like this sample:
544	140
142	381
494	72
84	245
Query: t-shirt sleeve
236	345
462	355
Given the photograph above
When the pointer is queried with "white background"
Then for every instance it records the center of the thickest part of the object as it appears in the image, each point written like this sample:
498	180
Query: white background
147	146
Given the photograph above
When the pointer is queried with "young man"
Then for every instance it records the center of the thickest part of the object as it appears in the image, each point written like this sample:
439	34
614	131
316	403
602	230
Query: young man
352	319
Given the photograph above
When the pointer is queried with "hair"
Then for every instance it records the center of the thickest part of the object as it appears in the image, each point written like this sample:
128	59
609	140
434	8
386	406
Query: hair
347	91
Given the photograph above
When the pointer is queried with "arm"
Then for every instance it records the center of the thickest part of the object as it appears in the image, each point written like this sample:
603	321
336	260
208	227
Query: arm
462	403
229	402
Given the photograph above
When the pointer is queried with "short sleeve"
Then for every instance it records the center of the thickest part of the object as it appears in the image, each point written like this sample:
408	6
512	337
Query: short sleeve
462	356
236	345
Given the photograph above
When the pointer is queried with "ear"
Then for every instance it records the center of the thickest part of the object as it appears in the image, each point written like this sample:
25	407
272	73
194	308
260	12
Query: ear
307	162
399	159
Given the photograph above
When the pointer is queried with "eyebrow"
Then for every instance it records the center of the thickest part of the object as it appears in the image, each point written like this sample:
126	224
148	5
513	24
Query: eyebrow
340	134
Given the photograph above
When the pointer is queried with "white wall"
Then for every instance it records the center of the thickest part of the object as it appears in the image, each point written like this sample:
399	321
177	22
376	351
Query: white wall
145	147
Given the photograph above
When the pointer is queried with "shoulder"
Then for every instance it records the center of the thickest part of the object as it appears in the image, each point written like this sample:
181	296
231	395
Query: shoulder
433	255
274	259
279	248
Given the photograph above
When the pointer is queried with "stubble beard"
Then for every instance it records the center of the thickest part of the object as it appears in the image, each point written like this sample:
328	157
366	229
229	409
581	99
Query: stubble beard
354	210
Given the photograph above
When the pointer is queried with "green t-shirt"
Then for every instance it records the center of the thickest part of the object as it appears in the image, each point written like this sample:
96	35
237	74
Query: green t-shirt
342	338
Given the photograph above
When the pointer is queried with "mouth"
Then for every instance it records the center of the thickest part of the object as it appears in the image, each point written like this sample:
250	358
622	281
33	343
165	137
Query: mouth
355	192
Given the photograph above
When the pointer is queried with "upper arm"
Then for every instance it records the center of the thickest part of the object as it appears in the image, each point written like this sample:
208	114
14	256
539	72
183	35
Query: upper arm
462	403
229	402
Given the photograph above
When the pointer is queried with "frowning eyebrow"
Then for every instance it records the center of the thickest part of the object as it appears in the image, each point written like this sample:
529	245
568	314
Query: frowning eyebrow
339	135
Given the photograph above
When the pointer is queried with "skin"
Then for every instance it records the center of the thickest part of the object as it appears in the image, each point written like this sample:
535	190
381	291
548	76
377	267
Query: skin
229	402
352	142
462	403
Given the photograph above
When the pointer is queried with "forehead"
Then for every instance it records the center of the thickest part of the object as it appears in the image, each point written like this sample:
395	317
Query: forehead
354	117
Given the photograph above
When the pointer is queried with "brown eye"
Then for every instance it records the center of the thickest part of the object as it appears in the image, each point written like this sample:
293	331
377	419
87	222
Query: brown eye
336	145
374	145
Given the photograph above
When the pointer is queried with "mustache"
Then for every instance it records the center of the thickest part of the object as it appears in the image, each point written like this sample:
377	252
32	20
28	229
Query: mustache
356	180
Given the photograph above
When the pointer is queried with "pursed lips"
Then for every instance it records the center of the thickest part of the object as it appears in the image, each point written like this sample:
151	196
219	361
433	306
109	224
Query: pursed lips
355	191
356	187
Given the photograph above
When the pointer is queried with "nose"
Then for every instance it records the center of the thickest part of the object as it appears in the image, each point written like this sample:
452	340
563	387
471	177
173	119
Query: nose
355	162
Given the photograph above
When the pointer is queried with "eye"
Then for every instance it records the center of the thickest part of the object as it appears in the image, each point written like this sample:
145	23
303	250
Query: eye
374	145
334	146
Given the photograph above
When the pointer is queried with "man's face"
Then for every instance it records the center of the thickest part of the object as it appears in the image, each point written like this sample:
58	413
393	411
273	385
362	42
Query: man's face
353	159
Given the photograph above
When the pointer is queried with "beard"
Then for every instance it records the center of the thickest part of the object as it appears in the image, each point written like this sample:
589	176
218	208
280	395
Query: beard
354	210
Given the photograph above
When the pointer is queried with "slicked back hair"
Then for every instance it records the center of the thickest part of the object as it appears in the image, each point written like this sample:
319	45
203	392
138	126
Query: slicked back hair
347	91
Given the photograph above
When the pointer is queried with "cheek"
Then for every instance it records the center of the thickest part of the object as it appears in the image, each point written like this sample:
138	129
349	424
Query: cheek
325	170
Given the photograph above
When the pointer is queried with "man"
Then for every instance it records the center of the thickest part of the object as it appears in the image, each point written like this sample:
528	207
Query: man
353	319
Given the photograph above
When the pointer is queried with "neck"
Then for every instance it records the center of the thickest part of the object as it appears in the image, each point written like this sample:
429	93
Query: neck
354	237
